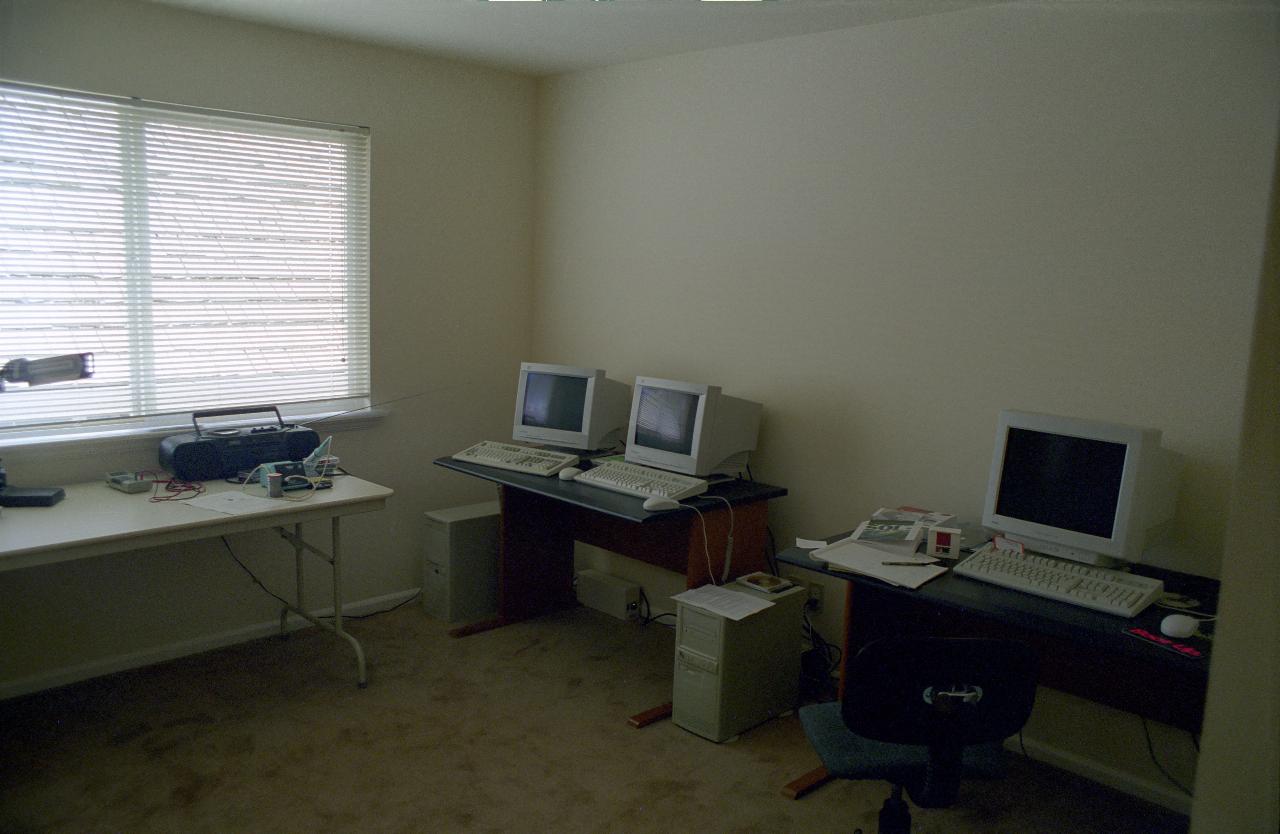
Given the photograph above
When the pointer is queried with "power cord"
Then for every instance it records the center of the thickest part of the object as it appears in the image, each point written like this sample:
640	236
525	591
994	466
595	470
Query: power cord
288	604
1146	730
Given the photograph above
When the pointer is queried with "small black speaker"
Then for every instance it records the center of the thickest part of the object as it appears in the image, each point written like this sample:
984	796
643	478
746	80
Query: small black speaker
196	460
300	442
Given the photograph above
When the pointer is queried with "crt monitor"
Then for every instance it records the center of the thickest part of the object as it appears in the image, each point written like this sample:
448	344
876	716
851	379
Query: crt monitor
1086	490
576	408
690	428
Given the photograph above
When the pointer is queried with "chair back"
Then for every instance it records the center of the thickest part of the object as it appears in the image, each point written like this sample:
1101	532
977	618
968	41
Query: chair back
940	691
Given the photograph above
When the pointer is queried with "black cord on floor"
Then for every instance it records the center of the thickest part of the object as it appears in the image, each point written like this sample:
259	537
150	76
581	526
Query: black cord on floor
1152	751
645	610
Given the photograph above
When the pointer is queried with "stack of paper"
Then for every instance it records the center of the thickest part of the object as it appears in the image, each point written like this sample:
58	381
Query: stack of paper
905	569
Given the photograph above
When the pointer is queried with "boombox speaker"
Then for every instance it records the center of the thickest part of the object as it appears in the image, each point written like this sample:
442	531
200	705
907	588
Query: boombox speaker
206	454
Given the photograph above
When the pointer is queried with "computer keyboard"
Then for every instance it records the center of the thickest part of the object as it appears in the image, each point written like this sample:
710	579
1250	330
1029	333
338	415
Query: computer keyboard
516	458
1102	589
641	481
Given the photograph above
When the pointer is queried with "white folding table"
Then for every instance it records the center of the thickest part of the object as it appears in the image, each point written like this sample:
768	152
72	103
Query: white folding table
94	520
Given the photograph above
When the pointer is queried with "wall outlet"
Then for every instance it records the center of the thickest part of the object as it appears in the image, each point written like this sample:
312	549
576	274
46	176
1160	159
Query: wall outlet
814	603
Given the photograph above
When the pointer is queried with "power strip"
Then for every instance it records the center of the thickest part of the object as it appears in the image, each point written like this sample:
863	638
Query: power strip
604	592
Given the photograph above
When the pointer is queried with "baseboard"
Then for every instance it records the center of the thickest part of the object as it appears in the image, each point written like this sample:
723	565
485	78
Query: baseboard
172	651
1160	794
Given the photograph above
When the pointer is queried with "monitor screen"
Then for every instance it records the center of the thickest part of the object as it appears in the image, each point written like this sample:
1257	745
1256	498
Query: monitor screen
665	419
1070	483
552	401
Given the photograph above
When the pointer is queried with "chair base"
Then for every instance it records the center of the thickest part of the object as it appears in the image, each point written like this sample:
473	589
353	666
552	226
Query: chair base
895	816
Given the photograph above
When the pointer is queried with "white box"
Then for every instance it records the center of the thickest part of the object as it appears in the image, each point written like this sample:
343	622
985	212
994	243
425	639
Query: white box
460	563
605	592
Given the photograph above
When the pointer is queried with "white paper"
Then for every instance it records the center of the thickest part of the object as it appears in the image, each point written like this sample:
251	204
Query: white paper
232	503
732	604
857	557
810	544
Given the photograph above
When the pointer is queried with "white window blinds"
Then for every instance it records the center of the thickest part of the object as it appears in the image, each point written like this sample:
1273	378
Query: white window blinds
206	259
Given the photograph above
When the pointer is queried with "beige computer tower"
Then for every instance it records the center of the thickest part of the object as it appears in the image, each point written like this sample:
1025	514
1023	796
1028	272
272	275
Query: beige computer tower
731	675
460	563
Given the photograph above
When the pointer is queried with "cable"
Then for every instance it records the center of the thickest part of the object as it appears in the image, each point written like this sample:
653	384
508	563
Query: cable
706	547
255	579
402	603
728	545
177	490
1152	752
646	610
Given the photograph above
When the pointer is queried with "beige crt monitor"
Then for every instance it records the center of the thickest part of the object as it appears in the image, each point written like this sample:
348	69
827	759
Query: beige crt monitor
571	407
690	428
1087	490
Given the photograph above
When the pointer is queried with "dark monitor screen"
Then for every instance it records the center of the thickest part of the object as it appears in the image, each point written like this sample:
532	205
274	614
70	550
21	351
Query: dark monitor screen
552	401
1071	483
665	420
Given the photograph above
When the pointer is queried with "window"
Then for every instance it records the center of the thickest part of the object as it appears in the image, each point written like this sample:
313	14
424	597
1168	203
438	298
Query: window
206	259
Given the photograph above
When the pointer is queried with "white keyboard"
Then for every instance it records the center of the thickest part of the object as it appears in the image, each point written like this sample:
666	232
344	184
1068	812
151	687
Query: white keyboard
641	481
516	458
1102	589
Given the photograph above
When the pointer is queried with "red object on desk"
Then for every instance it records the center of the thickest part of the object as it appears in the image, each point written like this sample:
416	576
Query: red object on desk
1164	642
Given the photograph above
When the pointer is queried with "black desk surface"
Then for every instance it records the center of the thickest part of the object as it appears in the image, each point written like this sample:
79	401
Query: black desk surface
1105	632
616	504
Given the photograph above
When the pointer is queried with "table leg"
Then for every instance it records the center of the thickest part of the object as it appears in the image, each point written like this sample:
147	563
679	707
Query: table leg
334	558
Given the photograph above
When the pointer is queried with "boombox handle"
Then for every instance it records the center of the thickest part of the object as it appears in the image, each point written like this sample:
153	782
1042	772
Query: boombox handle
225	412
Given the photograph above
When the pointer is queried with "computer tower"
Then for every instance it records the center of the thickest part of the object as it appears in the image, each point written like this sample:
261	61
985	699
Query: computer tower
460	563
731	675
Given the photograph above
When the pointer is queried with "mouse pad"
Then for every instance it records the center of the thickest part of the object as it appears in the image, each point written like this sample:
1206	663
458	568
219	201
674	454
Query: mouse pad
1164	642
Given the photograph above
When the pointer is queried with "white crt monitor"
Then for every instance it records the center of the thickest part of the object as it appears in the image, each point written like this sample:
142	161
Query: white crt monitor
577	408
690	428
1080	489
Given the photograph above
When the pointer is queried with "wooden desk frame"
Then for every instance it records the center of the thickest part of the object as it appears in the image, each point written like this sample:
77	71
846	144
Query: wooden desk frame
95	520
1082	652
543	517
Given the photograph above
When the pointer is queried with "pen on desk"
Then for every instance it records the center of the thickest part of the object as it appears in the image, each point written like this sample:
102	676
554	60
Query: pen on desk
911	564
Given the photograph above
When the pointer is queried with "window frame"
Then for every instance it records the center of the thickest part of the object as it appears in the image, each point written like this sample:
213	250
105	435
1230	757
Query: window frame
345	412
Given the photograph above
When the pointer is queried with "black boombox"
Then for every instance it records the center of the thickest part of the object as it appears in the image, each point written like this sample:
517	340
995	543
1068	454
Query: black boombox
223	452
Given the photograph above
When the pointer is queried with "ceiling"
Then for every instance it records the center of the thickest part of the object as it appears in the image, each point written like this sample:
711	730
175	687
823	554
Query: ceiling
568	35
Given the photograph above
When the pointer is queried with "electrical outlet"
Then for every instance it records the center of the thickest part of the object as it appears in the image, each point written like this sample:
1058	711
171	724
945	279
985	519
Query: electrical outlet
815	597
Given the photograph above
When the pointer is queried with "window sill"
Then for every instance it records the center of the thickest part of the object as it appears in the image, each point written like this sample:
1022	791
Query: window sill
81	443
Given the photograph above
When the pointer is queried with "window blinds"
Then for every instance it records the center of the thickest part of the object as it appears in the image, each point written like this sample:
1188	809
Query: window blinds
206	259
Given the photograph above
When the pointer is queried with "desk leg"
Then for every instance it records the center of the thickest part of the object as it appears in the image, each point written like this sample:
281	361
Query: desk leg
807	783
335	561
650	716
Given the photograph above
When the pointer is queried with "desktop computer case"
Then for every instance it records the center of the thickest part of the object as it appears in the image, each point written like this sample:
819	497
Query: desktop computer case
460	564
731	675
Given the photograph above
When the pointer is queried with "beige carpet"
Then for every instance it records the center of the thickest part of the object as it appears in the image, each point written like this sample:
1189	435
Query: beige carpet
522	729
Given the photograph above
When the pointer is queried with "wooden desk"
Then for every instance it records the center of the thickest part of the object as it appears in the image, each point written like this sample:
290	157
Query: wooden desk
94	520
1083	652
542	517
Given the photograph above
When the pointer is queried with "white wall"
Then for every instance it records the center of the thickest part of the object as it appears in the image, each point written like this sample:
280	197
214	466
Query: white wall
450	256
888	234
1238	783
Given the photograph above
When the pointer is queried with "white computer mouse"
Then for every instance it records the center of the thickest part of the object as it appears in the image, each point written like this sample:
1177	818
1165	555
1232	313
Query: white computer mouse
1179	625
569	473
656	503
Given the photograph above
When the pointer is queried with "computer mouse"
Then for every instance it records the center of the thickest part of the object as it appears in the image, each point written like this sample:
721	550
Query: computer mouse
656	503
1179	625
569	473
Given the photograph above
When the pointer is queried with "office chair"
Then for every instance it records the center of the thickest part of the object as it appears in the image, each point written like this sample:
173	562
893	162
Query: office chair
920	712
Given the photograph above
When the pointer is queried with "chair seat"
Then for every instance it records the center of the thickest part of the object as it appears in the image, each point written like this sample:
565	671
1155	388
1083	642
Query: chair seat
847	755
